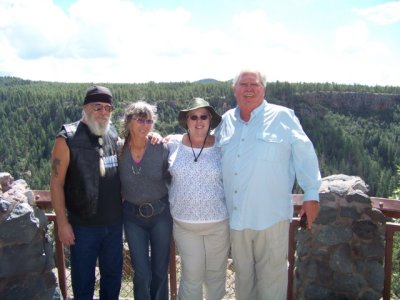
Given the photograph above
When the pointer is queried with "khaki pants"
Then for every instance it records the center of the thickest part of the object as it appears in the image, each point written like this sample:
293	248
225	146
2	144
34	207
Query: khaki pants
204	253
260	260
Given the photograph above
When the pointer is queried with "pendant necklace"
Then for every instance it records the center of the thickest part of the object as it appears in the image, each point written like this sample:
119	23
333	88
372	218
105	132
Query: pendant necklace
138	170
102	167
196	157
136	165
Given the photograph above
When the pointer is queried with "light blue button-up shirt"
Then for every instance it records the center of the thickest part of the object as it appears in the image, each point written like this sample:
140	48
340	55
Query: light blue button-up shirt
260	160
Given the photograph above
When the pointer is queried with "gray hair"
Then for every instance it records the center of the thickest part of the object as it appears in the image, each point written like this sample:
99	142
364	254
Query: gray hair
138	109
261	76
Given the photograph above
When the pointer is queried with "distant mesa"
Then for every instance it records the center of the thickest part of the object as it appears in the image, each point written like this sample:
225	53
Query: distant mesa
207	80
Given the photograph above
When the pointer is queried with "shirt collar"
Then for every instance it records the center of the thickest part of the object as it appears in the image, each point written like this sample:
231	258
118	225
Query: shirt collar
254	113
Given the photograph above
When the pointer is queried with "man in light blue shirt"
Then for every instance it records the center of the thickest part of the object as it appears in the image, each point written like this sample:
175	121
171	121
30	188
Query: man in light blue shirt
264	149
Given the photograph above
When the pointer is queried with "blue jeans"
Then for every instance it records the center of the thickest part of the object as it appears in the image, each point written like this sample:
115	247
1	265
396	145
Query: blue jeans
150	270
104	243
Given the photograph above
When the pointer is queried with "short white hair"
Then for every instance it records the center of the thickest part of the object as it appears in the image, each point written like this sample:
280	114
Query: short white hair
261	76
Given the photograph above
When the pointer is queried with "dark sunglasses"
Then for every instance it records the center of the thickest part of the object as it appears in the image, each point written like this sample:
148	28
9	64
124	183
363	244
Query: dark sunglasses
98	107
144	121
195	118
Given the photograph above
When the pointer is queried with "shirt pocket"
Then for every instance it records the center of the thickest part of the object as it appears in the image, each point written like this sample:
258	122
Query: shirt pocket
269	146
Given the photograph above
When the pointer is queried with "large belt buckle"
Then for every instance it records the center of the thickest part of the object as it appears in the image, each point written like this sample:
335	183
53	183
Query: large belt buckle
144	205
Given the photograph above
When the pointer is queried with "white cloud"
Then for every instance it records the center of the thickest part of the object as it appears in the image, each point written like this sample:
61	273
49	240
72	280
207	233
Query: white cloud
358	57
93	35
254	29
118	41
34	28
384	14
352	38
355	42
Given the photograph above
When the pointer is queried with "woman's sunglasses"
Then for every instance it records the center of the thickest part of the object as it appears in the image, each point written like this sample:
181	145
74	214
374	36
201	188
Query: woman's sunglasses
143	121
195	117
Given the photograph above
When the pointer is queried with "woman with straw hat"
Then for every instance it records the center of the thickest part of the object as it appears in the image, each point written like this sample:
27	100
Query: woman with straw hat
201	228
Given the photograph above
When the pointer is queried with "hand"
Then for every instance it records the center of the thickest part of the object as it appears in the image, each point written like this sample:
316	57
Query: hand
66	234
167	138
155	138
311	209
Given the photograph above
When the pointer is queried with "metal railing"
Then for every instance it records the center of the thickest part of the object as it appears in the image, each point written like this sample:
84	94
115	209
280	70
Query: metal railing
390	207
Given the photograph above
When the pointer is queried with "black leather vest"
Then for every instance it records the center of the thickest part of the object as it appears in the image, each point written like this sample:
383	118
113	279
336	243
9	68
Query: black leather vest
82	180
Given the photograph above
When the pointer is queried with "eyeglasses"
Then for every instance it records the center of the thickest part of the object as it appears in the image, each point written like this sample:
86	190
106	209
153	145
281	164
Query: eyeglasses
99	107
143	121
195	117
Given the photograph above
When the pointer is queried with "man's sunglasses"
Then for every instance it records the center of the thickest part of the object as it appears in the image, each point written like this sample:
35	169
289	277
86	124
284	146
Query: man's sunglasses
195	117
98	107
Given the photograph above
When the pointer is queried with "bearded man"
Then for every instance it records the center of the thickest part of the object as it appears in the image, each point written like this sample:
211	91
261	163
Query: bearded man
85	193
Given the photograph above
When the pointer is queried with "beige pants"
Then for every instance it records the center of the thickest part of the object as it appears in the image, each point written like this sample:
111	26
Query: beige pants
260	260
204	251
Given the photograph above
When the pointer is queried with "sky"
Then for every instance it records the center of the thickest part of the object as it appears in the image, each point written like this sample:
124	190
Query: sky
135	41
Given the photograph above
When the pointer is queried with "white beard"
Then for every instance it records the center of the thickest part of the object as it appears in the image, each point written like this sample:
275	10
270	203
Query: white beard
95	127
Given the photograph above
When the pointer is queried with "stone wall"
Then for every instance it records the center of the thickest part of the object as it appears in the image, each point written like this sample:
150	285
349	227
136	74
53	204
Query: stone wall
342	256
26	254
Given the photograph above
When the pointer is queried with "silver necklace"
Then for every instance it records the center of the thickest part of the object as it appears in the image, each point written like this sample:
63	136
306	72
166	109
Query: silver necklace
138	170
136	166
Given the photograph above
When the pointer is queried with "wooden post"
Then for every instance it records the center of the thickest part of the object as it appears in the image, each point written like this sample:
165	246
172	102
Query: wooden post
172	271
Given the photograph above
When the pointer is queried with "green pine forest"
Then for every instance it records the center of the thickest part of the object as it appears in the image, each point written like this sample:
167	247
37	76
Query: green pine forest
355	128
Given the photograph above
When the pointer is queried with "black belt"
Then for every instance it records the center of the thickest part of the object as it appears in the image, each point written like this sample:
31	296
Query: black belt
149	209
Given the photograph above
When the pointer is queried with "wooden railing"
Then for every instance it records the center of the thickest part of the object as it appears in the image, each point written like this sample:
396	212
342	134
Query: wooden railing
390	207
